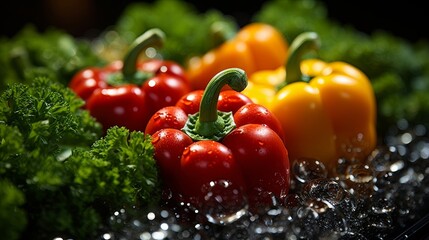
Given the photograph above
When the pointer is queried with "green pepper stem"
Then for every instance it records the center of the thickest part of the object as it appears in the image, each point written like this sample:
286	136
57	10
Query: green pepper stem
209	123
301	45
151	38
20	61
222	31
234	77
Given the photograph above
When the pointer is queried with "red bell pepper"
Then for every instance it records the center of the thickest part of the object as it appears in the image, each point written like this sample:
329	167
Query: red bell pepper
126	93
241	145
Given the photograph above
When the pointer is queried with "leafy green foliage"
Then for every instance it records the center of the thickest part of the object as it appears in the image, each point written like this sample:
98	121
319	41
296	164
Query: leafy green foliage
119	169
53	54
53	156
188	32
12	216
47	115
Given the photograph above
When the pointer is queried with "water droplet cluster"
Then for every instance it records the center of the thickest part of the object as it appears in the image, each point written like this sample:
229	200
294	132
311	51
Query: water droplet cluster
377	199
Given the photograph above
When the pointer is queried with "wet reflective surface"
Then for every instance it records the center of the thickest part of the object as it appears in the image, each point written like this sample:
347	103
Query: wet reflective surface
379	199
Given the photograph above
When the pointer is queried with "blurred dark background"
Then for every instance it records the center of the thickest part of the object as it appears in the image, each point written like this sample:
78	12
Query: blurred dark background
81	18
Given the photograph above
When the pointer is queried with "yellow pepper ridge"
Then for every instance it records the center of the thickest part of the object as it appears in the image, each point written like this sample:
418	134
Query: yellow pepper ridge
327	110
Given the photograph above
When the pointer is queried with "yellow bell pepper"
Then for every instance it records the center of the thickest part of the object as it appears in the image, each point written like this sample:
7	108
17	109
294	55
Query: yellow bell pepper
327	110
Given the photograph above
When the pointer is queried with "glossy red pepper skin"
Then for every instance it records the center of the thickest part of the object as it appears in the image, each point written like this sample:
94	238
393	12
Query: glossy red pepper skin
170	144
244	110
252	146
111	92
256	113
251	158
123	106
87	80
190	102
119	105
229	100
203	165
167	117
